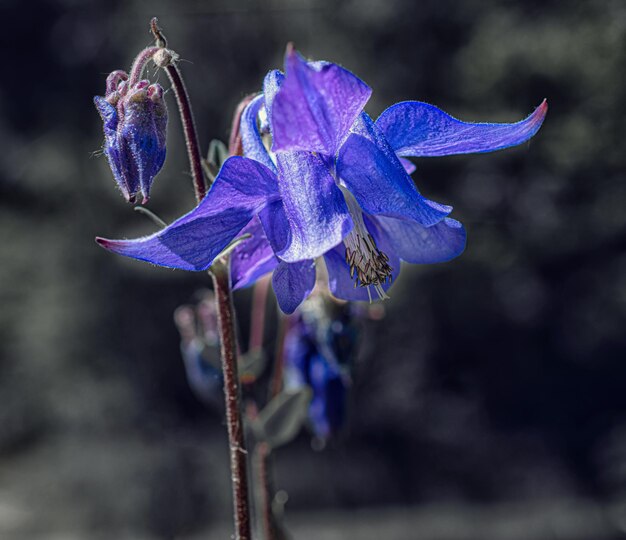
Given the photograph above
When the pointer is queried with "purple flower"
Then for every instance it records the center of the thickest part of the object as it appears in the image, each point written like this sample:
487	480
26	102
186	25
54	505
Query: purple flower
334	184
135	122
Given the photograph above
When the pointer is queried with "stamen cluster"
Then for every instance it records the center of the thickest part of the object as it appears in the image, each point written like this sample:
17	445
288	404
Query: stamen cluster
368	265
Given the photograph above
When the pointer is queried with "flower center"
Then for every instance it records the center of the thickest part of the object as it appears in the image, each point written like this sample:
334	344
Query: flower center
368	264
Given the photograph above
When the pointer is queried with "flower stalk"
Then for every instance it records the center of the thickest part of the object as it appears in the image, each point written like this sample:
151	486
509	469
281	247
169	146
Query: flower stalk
186	115
220	274
262	455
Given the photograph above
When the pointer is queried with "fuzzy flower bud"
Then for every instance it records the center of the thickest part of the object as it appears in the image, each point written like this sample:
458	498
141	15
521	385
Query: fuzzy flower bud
135	123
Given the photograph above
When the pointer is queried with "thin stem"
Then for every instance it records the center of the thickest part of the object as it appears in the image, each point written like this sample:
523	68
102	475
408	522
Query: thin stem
186	115
262	455
189	127
220	274
276	384
238	455
257	325
140	63
235	145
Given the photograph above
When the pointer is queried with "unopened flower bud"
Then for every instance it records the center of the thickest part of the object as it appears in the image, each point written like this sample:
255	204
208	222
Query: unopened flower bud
135	124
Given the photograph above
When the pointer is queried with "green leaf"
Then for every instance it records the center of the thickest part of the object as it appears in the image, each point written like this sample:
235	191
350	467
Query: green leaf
252	364
280	421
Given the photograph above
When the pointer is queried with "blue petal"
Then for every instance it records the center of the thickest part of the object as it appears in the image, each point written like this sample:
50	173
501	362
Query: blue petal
271	85
275	225
253	258
328	406
116	150
253	146
108	113
424	245
314	206
372	172
414	128
316	105
408	165
292	283
340	283
241	190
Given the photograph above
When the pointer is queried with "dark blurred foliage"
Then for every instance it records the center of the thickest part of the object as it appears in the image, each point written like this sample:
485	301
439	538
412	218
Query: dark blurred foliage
489	403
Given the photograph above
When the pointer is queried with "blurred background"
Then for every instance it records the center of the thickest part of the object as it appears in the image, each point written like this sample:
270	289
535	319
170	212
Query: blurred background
489	402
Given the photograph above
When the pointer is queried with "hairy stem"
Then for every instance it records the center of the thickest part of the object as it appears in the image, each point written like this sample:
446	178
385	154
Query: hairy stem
235	145
141	61
262	455
234	420
186	116
189	127
220	274
257	323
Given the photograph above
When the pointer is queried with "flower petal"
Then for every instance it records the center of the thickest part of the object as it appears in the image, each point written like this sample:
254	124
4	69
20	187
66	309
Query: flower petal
292	283
378	181
340	283
424	245
253	146
314	206
408	165
253	258
271	85
414	128
116	150
316	105
241	190
275	225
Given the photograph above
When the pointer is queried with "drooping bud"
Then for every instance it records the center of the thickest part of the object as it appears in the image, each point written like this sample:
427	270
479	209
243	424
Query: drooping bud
135	125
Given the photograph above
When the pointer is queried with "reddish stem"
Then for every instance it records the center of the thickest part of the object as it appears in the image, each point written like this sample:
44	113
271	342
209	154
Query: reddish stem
220	274
257	326
265	500
140	63
238	455
189	127
186	115
235	146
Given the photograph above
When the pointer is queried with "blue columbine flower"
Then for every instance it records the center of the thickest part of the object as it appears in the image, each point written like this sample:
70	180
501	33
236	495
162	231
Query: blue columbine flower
135	123
333	183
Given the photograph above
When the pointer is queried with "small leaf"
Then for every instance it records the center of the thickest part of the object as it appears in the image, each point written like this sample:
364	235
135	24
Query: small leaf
251	365
218	153
151	215
280	421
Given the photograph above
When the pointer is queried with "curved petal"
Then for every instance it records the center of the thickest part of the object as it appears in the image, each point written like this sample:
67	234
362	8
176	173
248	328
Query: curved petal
378	181
253	258
271	85
251	140
292	283
314	206
241	190
425	245
276	225
316	105
116	150
414	128
340	283
408	165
